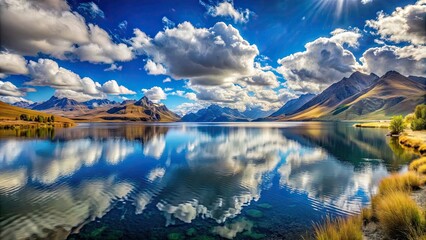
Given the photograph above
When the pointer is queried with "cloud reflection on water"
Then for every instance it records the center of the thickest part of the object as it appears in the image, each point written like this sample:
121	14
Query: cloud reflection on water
210	172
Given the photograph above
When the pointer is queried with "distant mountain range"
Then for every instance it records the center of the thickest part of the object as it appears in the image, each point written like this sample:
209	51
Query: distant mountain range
215	113
358	97
105	110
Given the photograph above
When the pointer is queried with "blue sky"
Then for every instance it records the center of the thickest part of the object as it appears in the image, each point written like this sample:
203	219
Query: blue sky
276	28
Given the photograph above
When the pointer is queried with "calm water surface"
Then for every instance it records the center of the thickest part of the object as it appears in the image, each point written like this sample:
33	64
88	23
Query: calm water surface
188	181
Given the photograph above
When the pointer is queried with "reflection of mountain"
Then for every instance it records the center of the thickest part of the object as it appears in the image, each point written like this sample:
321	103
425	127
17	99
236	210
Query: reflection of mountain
129	132
350	144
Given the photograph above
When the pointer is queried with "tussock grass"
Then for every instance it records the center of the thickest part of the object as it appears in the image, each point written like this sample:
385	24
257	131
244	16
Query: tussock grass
340	229
410	142
414	165
399	216
367	214
422	149
399	182
422	169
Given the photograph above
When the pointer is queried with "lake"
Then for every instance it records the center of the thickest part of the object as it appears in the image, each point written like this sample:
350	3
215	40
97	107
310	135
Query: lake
188	180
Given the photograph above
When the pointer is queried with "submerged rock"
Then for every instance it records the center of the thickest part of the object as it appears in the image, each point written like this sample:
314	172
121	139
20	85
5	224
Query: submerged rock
254	213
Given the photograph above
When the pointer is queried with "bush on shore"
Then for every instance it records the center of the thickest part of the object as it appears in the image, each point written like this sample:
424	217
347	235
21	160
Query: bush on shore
396	182
419	120
400	216
397	124
340	229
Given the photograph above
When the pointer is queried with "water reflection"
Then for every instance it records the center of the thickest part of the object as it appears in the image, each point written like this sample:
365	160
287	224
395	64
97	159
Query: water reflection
185	172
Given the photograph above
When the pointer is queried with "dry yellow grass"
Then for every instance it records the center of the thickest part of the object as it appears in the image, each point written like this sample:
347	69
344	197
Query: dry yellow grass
414	165
422	169
9	114
411	142
399	182
367	214
399	216
340	229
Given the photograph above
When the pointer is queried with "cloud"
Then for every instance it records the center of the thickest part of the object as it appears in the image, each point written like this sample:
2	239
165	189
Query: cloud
12	64
91	9
227	9
12	100
155	94
405	24
191	96
167	80
112	87
344	36
78	96
154	68
123	25
263	78
366	1
324	62
49	27
9	89
168	23
408	60
46	72
113	67
186	52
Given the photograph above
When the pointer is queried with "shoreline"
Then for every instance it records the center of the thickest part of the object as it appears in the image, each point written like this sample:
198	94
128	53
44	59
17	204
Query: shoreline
409	187
19	124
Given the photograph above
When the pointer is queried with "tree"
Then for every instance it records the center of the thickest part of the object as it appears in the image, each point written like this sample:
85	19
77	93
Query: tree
52	118
24	117
397	124
419	120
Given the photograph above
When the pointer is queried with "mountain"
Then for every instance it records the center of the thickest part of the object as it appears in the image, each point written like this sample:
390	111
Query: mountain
333	96
22	104
255	113
215	113
94	103
392	94
142	110
61	104
293	105
421	80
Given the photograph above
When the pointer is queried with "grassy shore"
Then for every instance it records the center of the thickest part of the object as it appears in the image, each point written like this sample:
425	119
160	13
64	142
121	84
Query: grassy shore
381	124
397	211
10	118
414	140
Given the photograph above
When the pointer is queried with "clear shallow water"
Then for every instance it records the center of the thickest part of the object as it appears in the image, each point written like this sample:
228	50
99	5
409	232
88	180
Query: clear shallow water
188	181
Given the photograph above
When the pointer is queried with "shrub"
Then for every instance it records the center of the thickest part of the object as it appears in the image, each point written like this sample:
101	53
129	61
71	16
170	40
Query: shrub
399	216
340	229
419	120
418	124
414	165
397	182
397	125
